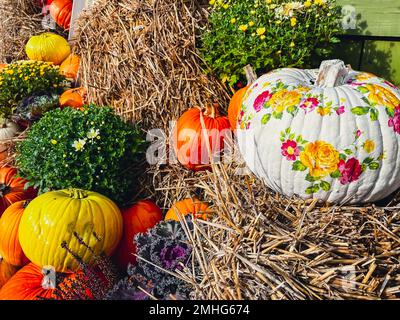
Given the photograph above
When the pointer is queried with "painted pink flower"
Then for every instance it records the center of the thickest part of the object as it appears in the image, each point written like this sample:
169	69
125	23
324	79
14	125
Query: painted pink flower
309	104
395	121
241	115
340	110
358	133
290	150
261	100
350	170
248	125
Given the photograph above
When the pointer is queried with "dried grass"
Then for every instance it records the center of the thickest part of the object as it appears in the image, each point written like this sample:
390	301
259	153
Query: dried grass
19	20
140	57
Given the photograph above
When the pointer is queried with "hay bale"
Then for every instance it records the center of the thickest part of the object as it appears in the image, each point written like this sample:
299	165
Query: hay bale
19	20
140	57
258	245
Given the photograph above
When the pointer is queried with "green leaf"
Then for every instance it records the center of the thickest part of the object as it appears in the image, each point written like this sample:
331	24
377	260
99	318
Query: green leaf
310	178
390	112
360	111
342	156
374	166
277	115
348	152
363	89
292	110
299	138
325	186
291	136
298	166
336	174
266	118
368	160
312	189
374	113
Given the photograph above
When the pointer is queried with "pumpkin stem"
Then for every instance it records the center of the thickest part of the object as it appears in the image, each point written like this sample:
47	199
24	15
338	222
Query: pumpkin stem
26	203
251	76
212	111
332	73
77	194
4	189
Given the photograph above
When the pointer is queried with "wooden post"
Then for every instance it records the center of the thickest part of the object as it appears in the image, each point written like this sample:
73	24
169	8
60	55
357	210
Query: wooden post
77	8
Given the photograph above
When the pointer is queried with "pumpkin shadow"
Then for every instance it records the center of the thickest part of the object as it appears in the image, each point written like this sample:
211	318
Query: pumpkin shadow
364	52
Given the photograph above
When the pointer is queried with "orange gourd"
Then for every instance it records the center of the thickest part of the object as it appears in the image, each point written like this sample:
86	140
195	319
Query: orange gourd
137	219
61	12
192	144
10	248
74	98
197	208
12	188
236	101
7	270
26	284
70	66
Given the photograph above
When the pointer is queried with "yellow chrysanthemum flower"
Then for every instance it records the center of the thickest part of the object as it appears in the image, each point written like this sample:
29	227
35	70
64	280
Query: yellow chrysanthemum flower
261	31
293	21
251	23
243	27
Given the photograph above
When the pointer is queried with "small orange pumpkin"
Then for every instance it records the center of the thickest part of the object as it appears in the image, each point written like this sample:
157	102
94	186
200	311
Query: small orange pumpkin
197	208
12	188
137	219
10	248
27	284
74	98
190	137
7	270
236	101
61	12
70	66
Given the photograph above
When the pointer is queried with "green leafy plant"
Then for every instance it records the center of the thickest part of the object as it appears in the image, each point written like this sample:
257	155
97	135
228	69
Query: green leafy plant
91	149
268	34
22	79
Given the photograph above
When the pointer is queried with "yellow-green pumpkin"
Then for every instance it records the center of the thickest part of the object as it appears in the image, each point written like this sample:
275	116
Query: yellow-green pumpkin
51	223
48	47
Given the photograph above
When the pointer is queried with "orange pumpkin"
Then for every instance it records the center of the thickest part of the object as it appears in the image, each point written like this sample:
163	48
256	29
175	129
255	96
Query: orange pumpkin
61	12
27	284
70	66
137	219
12	188
194	206
191	142
2	65
10	248
74	98
7	270
236	101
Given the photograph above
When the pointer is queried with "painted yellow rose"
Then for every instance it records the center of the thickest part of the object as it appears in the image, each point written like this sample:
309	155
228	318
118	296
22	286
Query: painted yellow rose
324	111
369	146
382	96
364	76
284	99
320	158
303	89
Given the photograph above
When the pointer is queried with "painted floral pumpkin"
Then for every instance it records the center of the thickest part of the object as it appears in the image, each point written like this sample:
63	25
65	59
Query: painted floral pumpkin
10	248
197	133
59	224
191	206
48	47
12	188
332	134
137	219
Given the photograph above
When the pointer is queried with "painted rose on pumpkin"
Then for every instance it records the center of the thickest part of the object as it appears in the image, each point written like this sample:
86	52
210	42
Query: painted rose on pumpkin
290	150
395	121
261	100
284	99
320	158
350	170
309	104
